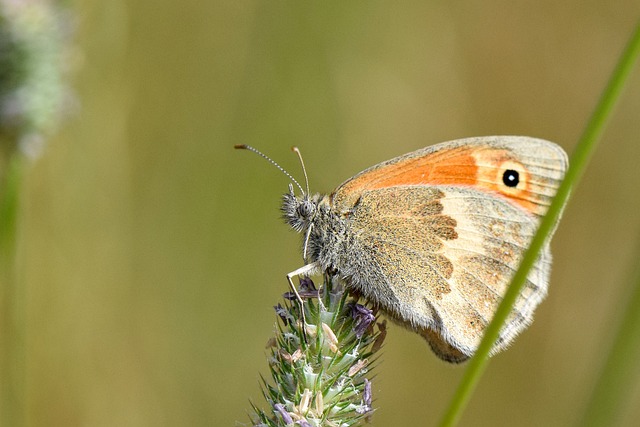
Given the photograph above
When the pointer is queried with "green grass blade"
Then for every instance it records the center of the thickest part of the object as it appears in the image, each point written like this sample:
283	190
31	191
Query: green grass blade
578	163
613	388
12	301
9	193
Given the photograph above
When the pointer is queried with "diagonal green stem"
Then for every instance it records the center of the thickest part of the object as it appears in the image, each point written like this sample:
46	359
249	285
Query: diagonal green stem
612	391
578	163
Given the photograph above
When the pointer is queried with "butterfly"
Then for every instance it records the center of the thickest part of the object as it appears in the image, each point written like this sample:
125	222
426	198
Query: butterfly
433	237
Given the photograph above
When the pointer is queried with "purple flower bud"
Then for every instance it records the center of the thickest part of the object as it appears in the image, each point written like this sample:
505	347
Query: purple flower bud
307	285
290	296
283	313
281	410
306	289
363	318
366	398
366	395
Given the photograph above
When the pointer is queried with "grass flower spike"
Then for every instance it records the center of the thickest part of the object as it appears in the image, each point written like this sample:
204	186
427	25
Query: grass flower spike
321	369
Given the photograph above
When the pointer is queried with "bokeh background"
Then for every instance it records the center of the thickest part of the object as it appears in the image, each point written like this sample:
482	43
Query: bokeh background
151	253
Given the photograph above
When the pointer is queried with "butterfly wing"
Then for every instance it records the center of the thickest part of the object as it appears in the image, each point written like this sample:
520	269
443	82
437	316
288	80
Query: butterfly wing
478	162
438	257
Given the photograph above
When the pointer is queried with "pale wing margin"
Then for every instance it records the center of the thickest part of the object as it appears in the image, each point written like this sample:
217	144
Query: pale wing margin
493	235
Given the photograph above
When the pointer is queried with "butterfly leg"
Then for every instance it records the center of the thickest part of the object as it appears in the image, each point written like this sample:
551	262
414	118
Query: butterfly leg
302	271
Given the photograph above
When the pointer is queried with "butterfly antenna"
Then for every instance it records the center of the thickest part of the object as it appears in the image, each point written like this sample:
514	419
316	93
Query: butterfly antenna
267	158
304	170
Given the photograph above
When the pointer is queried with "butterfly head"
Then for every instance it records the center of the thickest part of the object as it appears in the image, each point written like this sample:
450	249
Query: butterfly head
299	211
323	229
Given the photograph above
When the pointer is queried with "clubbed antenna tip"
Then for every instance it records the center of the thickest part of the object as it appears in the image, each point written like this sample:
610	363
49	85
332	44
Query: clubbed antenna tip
267	158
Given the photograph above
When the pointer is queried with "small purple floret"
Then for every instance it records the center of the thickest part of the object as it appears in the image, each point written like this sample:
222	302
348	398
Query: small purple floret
366	395
279	407
363	319
307	285
366	398
283	313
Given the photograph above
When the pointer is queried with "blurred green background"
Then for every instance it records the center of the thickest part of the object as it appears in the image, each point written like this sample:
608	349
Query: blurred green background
151	252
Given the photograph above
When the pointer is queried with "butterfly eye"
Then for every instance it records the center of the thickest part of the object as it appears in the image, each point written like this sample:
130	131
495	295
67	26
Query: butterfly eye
511	178
306	209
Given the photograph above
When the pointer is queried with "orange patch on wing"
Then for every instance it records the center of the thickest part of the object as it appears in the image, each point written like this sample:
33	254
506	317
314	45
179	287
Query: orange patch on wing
478	167
523	199
432	169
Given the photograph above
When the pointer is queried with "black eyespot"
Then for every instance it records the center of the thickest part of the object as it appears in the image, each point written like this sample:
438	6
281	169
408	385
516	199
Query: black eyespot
511	178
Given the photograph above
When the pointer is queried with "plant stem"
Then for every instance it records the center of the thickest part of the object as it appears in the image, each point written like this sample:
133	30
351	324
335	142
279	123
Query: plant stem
613	387
12	391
